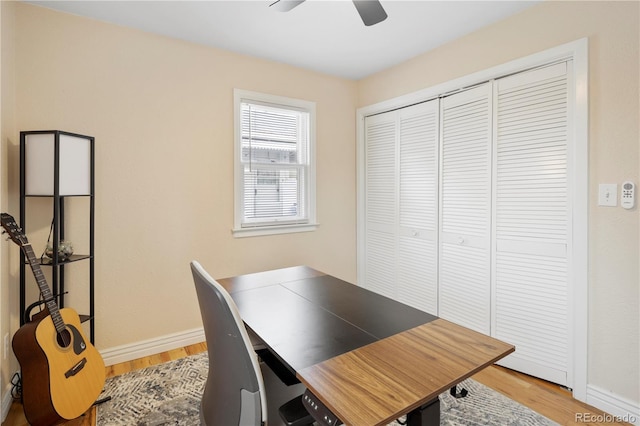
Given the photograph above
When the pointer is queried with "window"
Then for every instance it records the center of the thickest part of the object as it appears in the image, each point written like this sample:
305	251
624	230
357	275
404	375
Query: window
274	164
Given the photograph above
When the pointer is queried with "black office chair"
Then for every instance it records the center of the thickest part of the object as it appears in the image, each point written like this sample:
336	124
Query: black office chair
234	392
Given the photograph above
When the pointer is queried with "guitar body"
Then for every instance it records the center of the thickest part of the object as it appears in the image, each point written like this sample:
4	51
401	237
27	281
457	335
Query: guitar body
59	382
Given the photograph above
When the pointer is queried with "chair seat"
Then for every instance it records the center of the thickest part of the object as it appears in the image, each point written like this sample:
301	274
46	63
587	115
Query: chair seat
293	413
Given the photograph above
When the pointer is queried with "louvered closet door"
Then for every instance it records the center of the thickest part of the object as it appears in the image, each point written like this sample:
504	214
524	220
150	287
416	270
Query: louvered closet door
417	283
381	204
401	205
531	216
464	296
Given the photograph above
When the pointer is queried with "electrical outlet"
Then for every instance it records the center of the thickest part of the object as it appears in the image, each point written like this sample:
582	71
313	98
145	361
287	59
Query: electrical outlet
6	346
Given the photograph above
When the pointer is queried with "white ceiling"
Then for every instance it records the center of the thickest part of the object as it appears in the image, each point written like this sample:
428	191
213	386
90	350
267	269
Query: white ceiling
327	36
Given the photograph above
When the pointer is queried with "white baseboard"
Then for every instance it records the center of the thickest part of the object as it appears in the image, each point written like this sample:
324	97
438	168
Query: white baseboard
620	409
152	346
7	399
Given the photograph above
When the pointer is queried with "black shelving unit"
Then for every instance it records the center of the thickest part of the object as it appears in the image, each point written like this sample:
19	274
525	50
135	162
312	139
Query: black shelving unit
59	199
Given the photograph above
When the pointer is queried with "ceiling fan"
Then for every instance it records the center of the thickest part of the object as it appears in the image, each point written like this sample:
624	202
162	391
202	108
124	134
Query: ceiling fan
371	11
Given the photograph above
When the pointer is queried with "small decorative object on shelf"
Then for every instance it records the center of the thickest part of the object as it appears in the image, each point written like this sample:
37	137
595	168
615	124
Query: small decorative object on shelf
65	250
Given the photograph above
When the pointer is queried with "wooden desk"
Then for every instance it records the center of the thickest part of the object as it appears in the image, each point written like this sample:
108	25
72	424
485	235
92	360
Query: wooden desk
368	358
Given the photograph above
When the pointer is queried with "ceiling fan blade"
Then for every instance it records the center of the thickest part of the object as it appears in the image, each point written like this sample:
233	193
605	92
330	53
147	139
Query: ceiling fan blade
371	11
285	5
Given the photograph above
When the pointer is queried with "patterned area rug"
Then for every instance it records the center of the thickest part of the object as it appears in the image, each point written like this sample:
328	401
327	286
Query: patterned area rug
169	394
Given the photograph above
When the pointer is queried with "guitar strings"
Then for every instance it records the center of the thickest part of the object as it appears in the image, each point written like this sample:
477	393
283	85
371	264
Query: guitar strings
42	262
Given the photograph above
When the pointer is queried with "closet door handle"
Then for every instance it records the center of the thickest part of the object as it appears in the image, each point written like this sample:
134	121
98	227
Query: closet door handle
461	240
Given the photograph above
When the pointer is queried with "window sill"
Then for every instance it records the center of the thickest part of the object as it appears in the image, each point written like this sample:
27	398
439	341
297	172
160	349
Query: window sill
273	230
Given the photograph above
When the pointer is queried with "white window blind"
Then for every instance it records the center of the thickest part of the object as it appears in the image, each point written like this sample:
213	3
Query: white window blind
274	165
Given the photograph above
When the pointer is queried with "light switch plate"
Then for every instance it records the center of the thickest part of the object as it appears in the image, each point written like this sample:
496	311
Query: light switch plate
608	194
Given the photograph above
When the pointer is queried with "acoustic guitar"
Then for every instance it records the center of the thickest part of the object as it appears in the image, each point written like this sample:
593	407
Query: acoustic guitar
62	373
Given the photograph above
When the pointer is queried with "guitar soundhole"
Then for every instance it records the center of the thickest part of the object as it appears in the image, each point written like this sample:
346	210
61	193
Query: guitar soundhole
64	338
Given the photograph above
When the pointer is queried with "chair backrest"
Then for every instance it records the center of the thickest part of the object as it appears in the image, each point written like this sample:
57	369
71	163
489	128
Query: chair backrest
234	392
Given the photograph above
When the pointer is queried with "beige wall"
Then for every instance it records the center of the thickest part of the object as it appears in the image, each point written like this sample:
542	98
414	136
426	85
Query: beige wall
613	32
8	288
161	111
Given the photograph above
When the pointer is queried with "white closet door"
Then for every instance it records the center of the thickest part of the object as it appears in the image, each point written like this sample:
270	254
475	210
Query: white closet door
465	262
417	283
381	204
531	221
401	205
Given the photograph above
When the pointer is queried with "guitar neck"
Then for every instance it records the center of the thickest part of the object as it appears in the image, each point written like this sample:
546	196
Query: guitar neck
45	291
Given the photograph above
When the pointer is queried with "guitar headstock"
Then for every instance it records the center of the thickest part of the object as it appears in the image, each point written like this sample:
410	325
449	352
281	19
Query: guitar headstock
11	227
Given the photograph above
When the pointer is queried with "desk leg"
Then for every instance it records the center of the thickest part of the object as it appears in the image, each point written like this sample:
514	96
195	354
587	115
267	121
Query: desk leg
427	415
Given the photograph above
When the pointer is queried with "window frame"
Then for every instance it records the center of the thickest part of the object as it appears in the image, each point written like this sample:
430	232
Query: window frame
242	228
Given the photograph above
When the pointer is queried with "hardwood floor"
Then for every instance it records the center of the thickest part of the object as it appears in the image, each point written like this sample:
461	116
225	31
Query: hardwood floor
546	398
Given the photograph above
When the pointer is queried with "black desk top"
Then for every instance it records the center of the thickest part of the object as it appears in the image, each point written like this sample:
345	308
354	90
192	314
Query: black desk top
371	312
310	320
